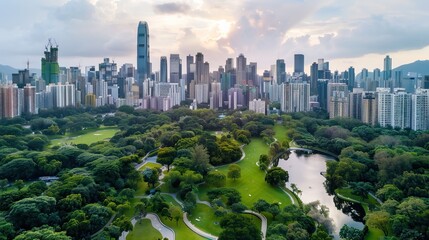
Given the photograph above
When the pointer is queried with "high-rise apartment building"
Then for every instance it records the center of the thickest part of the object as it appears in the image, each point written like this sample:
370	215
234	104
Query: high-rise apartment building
355	103
385	107
420	110
369	108
401	109
295	97
338	98
143	52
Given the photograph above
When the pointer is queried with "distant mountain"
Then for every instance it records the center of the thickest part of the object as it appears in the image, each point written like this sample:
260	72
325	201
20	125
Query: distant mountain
8	70
421	67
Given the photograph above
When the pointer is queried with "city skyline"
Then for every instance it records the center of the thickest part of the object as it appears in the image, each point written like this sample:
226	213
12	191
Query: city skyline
89	30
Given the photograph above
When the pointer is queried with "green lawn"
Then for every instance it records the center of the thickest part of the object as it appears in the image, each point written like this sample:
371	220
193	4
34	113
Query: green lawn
180	228
251	185
86	137
368	200
150	165
143	230
280	133
203	218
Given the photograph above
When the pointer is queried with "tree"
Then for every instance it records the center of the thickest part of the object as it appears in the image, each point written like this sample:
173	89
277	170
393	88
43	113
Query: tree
351	233
42	234
274	209
175	213
263	162
234	171
33	212
19	184
361	188
379	220
150	175
261	205
3	183
238	227
216	179
238	207
390	191
71	202
200	159
140	209
166	156
20	168
295	189
276	176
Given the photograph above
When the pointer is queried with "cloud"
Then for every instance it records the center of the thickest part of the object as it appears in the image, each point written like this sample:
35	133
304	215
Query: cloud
172	8
75	10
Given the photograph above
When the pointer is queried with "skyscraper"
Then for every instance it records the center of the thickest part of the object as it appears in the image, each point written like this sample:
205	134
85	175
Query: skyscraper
313	79
351	82
241	70
387	74
189	73
280	71
299	63
175	66
199	67
50	67
143	55
163	69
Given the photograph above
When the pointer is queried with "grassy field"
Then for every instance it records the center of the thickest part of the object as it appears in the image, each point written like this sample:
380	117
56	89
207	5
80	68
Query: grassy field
251	185
280	133
203	218
150	165
180	228
143	230
86	137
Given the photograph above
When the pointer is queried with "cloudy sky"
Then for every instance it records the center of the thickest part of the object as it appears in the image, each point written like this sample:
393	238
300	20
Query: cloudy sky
347	33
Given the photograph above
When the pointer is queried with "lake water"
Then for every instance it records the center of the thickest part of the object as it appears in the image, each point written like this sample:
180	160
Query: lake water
304	171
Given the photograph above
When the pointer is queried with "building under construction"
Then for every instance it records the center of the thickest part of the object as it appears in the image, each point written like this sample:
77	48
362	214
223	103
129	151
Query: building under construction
50	67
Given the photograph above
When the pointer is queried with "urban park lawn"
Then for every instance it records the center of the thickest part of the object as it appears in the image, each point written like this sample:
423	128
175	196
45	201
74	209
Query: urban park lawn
143	230
203	218
251	185
86	136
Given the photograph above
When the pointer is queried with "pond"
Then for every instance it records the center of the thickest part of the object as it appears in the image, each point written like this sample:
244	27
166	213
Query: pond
305	172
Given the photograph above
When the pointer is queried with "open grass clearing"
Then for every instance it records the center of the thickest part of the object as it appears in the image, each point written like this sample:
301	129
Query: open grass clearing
347	193
251	185
150	165
203	218
86	136
143	230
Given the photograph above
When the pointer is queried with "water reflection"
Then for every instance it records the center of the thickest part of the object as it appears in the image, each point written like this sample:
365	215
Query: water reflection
305	172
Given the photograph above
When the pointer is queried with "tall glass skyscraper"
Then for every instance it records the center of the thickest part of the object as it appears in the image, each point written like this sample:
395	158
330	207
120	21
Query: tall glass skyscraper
387	74
299	63
281	71
143	56
163	69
